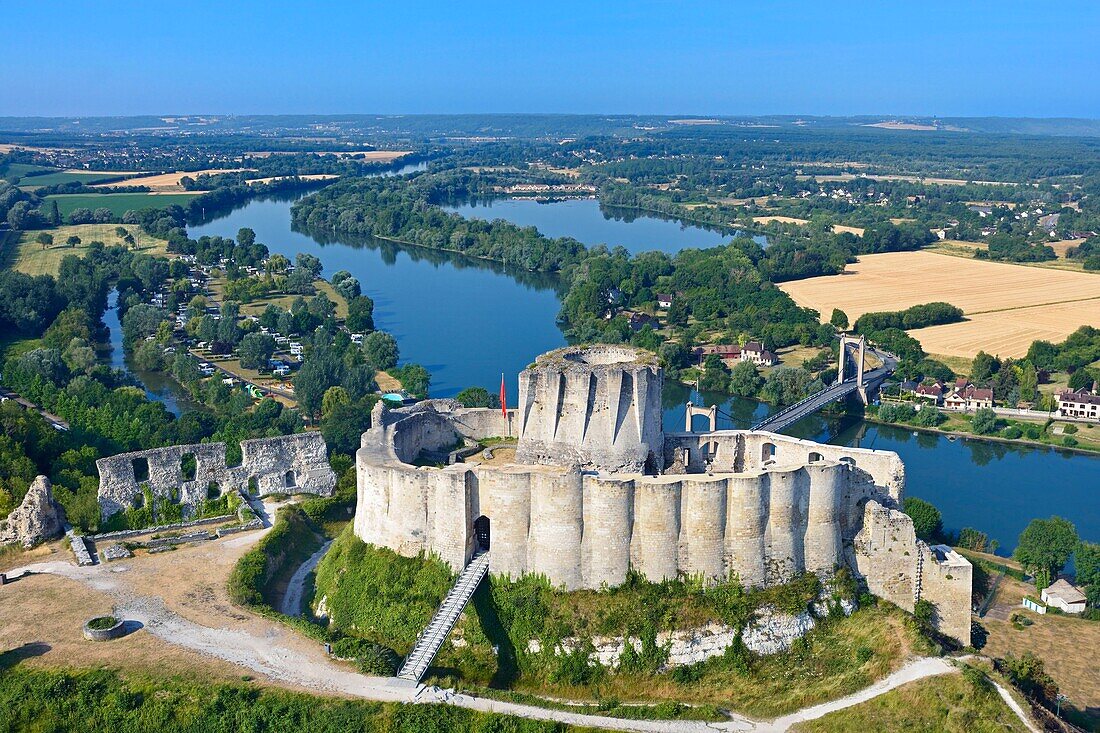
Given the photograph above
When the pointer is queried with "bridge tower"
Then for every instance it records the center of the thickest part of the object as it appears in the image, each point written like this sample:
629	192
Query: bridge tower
861	343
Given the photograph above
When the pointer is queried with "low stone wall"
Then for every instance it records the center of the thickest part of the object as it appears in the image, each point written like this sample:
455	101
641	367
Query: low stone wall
128	533
287	464
80	550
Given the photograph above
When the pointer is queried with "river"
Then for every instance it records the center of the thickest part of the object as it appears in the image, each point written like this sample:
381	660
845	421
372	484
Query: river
158	387
586	221
467	321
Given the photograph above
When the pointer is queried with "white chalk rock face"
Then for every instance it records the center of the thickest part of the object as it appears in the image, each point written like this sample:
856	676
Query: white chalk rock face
35	520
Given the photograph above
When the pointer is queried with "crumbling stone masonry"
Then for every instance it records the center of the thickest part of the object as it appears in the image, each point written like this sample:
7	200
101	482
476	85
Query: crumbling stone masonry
287	464
598	489
37	518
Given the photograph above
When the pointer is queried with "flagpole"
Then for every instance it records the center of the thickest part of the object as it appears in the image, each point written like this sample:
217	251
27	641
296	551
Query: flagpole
504	406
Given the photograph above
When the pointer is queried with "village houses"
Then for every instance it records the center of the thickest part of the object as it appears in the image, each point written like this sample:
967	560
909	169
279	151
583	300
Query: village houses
967	397
1078	404
752	351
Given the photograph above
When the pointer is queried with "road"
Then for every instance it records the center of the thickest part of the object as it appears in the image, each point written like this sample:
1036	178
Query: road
26	404
291	604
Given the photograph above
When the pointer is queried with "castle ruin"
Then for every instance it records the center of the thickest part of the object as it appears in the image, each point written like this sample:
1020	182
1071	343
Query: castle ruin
597	488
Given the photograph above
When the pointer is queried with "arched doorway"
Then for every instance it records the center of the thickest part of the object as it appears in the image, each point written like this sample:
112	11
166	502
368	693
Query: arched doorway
481	532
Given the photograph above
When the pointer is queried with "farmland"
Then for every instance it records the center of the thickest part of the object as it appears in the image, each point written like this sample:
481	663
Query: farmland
58	177
30	257
168	181
1006	306
118	203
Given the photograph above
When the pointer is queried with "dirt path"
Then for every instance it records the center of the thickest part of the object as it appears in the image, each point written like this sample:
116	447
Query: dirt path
196	618
291	604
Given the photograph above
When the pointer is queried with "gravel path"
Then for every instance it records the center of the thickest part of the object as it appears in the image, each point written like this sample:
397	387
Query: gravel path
291	604
283	655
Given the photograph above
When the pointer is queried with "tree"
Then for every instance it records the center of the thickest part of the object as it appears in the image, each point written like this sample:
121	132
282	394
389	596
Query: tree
839	319
45	239
72	241
246	237
745	380
309	263
323	369
927	521
55	213
474	397
1044	547
1082	379
255	350
678	313
716	375
788	385
360	315
1029	381
414	378
984	421
1086	560
984	367
381	350
335	397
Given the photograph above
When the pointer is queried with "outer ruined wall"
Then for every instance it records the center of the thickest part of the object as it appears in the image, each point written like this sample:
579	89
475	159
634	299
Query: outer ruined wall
267	460
947	581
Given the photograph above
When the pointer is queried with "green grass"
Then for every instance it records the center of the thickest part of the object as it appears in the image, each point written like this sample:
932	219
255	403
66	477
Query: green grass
53	179
27	255
260	572
947	704
15	171
117	203
100	701
374	594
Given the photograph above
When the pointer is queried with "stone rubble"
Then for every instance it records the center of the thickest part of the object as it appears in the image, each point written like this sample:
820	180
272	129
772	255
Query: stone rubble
37	518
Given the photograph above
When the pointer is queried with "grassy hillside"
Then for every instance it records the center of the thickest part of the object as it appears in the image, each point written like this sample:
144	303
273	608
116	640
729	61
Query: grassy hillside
373	594
946	704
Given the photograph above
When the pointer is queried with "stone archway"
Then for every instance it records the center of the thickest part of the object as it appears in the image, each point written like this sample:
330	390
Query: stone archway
481	532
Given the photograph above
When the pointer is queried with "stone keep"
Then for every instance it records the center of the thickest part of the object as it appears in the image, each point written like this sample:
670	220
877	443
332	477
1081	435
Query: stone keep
596	490
597	407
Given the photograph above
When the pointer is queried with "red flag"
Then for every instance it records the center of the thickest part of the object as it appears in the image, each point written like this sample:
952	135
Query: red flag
503	398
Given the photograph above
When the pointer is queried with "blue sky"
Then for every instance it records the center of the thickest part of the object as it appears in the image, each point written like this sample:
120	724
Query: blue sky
1005	58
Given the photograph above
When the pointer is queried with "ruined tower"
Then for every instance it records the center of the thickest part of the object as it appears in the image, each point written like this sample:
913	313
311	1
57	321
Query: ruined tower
597	407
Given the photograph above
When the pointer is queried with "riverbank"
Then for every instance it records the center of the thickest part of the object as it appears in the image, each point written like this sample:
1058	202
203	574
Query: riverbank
953	431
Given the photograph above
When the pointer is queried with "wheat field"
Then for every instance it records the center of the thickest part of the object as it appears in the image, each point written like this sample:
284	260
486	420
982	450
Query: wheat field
1007	306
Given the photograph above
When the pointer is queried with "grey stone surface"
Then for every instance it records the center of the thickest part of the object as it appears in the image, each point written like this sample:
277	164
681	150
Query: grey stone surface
80	550
761	506
287	464
110	553
37	518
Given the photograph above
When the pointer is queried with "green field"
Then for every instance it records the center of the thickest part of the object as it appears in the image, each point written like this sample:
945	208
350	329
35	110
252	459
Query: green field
15	171
118	203
52	179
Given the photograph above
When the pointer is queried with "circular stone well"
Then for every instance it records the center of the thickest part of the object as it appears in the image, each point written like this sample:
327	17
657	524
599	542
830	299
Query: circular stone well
96	630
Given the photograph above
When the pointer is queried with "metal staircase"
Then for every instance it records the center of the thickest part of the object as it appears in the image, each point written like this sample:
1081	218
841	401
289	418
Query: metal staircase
432	638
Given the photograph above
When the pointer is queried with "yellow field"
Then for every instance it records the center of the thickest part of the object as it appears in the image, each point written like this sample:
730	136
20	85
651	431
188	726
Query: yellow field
30	258
167	182
780	219
841	228
1007	306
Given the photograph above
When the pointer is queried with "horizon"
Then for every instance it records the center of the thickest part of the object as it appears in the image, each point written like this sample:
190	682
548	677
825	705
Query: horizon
793	58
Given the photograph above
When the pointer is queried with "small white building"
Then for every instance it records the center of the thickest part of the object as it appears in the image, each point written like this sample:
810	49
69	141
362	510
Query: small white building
1062	595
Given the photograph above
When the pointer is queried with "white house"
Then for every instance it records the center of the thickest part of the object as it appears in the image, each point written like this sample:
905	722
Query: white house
1081	403
1064	596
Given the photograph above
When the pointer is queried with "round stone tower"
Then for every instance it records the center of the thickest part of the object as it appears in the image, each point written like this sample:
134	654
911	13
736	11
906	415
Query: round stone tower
598	407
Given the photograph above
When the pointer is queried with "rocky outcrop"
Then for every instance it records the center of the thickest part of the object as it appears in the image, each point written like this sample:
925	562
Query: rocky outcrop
771	631
35	520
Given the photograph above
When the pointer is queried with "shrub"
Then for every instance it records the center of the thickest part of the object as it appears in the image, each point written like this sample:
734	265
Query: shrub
100	623
1012	432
